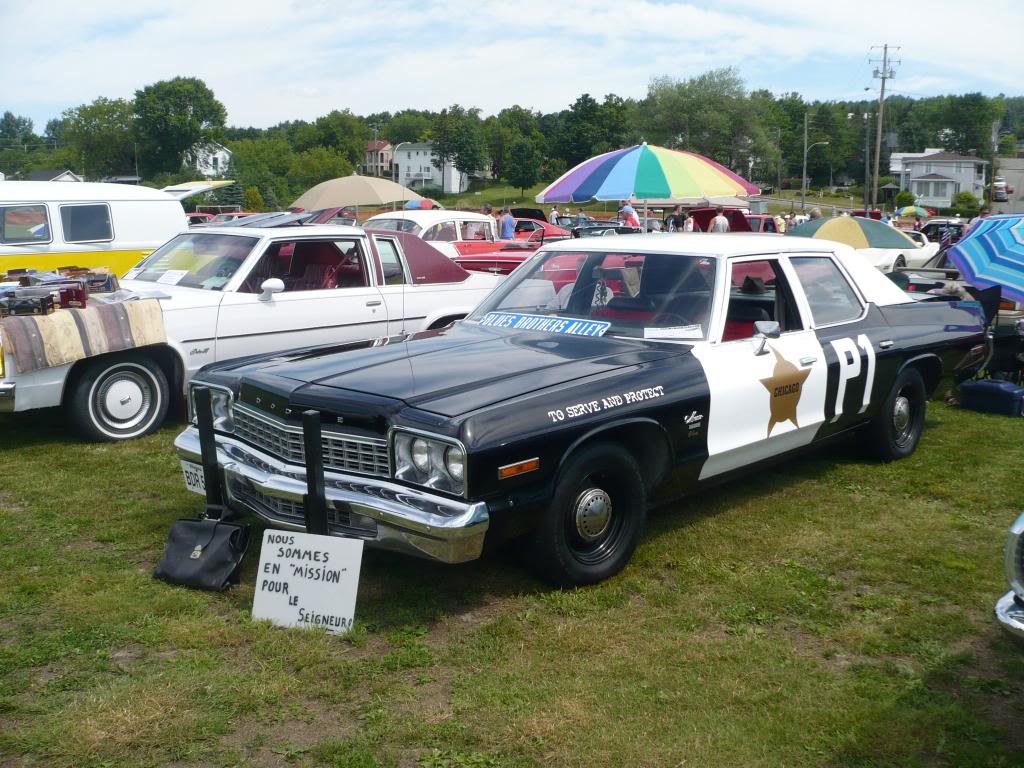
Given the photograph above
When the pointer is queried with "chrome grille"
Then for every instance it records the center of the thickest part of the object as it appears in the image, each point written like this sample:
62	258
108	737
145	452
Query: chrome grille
293	512
342	452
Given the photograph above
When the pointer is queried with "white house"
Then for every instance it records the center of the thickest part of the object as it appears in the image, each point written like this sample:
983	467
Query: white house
210	159
414	168
52	175
378	158
935	176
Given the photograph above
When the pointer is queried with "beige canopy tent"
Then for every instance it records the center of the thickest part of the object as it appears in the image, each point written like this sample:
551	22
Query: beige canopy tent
353	191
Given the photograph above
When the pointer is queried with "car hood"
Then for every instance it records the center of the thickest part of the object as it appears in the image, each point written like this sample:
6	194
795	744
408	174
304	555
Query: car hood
173	297
455	370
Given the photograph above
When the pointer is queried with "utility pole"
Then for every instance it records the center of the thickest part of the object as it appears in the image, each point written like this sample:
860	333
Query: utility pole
867	158
883	73
803	176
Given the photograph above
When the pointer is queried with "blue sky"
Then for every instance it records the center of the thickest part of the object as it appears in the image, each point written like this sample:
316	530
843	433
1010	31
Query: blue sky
273	61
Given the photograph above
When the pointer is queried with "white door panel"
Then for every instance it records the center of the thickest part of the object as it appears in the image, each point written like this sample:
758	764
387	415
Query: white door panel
290	320
762	405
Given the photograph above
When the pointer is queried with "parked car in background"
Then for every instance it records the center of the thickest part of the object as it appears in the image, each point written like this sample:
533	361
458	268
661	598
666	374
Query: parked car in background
230	292
49	224
228	216
572	222
198	218
737	218
533	229
454	233
605	373
761	222
1010	608
944	231
927	249
940	276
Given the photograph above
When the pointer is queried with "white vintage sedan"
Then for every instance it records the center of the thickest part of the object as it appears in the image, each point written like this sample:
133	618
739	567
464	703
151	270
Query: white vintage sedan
231	292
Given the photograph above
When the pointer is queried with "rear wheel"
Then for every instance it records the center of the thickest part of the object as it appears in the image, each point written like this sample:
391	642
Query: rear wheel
900	263
118	398
896	429
595	517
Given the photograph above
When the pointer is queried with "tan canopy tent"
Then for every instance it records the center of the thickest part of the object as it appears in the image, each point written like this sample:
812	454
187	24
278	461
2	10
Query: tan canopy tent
355	191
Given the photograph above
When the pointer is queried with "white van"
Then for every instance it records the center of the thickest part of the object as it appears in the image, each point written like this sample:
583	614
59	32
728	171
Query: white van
50	224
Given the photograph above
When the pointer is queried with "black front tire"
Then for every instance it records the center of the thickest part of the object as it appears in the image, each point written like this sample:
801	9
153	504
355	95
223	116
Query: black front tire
595	517
118	398
896	429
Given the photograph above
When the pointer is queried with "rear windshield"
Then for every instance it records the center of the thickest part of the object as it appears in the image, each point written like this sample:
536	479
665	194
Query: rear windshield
195	260
396	225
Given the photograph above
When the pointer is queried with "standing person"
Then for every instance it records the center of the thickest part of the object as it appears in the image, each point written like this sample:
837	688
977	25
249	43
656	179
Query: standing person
581	218
982	214
917	224
553	216
719	223
629	216
780	224
508	225
676	221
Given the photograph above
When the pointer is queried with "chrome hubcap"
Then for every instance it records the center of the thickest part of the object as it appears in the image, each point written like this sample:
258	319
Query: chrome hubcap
593	514
123	399
901	414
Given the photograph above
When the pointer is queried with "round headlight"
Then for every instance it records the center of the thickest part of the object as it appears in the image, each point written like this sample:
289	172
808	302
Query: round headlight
455	461
420	454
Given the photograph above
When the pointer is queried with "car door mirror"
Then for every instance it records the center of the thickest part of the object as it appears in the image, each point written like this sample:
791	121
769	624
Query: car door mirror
764	330
270	286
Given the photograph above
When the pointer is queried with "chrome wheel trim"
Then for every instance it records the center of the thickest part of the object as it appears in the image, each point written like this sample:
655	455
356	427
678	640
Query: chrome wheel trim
901	415
592	514
123	378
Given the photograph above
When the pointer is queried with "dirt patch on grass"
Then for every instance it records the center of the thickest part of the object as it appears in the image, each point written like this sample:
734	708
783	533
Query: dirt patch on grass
269	744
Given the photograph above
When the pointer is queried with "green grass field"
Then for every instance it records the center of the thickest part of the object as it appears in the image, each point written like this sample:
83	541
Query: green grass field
826	612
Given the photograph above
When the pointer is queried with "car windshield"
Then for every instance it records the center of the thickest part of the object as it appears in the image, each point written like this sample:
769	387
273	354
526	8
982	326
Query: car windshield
195	260
397	225
620	293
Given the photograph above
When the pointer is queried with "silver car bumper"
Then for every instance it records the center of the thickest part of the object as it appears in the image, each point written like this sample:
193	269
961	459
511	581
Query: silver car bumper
382	513
1010	614
6	395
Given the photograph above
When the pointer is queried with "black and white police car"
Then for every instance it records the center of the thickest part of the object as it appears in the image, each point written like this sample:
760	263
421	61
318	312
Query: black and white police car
601	373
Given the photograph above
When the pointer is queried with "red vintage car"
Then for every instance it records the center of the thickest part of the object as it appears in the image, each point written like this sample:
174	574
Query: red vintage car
761	222
534	229
737	218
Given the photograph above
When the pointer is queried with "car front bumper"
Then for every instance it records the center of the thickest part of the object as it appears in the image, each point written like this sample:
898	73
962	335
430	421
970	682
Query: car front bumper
6	395
376	510
1010	613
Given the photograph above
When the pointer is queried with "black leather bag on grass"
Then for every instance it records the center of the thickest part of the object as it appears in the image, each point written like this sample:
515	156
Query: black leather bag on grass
204	553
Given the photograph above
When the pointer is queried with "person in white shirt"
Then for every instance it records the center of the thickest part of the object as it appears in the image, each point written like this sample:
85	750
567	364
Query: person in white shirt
553	216
719	223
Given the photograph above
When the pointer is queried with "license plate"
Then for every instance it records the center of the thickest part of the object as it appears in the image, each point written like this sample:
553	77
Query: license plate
194	479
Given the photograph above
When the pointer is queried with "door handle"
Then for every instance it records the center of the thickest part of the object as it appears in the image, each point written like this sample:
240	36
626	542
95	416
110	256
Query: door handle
885	344
808	360
374	303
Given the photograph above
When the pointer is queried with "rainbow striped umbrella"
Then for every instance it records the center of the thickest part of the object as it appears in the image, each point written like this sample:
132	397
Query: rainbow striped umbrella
645	172
992	253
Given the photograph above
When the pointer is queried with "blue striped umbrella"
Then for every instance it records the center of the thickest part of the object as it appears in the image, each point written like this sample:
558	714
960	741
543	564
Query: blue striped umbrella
992	253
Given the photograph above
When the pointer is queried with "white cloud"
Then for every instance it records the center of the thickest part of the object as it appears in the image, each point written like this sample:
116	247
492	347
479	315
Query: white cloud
271	61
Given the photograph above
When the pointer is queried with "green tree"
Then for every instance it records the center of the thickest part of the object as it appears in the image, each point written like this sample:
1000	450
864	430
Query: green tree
904	198
345	132
458	139
408	125
966	203
524	165
101	135
309	168
15	128
264	164
1008	145
172	116
252	200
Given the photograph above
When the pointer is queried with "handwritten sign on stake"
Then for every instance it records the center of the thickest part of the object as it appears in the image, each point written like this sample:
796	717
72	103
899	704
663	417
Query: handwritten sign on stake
308	581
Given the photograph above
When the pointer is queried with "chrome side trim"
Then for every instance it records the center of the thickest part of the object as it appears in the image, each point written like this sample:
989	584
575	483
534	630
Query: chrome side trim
6	395
1010	614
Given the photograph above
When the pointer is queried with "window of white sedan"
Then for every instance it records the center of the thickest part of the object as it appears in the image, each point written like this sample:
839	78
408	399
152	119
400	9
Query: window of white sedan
758	290
195	260
830	296
476	230
443	231
310	265
663	296
390	261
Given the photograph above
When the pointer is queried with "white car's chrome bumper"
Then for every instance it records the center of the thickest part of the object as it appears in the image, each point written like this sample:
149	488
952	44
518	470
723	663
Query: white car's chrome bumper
380	512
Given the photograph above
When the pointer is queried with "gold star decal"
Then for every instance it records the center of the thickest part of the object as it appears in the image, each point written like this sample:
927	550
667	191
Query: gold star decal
784	387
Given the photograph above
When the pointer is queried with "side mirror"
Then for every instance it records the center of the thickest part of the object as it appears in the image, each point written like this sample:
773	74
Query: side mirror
764	330
271	286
